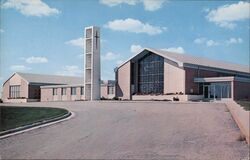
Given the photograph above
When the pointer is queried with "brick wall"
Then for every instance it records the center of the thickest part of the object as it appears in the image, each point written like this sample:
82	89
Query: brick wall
194	73
241	90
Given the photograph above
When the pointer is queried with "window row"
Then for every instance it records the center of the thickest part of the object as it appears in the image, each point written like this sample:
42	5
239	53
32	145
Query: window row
148	88
150	76
151	68
14	91
64	91
111	90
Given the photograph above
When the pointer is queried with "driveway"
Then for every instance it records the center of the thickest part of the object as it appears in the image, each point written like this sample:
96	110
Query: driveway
132	130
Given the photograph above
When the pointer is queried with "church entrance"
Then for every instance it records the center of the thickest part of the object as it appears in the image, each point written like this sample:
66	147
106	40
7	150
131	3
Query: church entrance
217	91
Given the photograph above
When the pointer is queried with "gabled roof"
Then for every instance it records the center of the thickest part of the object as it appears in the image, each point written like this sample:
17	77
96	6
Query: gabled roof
182	59
49	79
55	79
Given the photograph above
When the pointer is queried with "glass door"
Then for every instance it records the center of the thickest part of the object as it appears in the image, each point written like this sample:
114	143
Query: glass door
220	90
206	91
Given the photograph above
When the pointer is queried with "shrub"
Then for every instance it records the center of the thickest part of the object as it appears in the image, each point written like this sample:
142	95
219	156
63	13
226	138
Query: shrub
103	98
175	99
115	98
169	93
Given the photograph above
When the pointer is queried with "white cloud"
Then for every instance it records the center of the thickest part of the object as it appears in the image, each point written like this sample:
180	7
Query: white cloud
1	30
110	56
70	70
204	40
174	49
33	59
226	16
134	26
19	68
210	43
227	25
153	5
199	40
31	7
79	42
112	3
136	48
149	5
234	41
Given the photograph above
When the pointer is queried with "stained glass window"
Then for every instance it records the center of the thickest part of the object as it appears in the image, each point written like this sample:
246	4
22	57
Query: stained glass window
151	76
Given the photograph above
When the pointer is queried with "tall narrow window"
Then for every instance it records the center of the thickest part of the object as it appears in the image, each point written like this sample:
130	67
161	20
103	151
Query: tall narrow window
82	90
54	91
64	91
73	90
110	89
14	91
151	77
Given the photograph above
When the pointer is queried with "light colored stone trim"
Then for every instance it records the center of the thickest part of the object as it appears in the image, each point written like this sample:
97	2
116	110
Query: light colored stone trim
182	98
241	118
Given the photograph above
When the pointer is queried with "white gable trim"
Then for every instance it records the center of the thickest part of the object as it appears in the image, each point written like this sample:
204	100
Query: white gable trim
180	64
13	75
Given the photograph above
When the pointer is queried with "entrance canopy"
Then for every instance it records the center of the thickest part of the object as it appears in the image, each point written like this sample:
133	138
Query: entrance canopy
214	79
221	79
216	88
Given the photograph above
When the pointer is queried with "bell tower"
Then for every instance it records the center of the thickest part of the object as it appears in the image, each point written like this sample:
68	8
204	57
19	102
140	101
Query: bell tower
92	75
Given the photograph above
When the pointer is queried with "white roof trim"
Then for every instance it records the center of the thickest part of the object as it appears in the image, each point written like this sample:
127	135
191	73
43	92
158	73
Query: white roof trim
13	75
23	78
187	60
62	86
180	64
222	79
214	79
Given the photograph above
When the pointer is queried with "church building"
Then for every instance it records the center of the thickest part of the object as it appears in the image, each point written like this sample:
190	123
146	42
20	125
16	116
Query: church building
161	75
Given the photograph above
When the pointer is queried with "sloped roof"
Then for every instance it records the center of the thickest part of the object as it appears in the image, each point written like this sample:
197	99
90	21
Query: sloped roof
50	79
201	61
185	58
108	82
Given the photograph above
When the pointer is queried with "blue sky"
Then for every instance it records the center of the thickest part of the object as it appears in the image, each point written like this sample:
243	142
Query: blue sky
46	36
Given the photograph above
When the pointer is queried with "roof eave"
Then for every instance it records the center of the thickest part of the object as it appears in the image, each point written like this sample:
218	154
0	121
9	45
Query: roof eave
180	64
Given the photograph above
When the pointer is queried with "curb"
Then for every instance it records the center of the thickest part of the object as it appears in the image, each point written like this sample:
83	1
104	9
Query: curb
237	112
149	101
36	125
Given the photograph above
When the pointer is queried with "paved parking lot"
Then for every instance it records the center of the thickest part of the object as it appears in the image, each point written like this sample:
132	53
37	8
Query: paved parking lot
137	130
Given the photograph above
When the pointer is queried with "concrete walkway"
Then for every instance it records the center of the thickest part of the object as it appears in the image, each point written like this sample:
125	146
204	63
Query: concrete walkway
140	130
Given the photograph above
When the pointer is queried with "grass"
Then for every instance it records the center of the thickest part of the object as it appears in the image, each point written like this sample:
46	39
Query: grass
245	104
13	117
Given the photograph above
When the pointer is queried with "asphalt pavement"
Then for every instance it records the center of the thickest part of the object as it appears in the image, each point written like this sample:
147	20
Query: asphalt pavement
132	130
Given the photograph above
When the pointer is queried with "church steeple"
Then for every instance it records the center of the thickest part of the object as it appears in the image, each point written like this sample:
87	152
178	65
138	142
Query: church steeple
92	63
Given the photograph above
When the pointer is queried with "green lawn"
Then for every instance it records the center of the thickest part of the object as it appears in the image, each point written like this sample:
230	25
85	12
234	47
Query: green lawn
13	117
245	104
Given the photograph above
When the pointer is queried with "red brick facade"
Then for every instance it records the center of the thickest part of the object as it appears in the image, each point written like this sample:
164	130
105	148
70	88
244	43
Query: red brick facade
191	73
241	90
